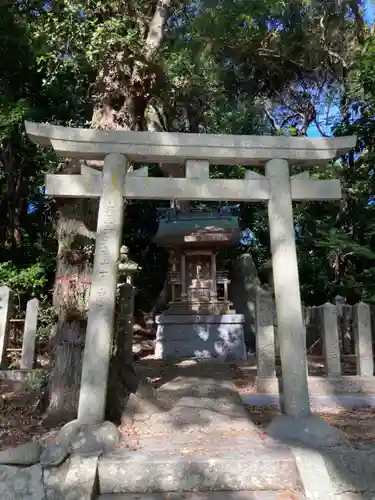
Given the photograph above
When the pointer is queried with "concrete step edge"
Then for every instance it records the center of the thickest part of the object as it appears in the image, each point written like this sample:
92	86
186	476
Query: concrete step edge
211	495
135	476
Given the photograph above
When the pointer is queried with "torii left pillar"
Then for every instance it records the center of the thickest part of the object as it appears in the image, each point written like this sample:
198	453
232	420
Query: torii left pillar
101	307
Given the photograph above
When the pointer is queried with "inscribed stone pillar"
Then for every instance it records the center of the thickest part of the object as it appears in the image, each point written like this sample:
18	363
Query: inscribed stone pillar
265	336
29	335
290	324
363	340
6	304
100	318
331	342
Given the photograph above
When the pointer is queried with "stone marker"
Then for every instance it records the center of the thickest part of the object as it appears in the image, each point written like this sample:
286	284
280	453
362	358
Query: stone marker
29	335
363	339
6	302
331	342
265	336
100	319
290	324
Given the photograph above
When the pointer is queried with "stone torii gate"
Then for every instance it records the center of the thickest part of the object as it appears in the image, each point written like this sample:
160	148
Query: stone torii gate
197	151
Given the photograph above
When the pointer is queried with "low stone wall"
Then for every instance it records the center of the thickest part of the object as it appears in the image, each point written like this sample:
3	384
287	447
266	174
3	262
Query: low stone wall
64	470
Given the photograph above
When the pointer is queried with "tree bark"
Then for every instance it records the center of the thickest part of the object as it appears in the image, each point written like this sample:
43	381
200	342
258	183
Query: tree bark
75	233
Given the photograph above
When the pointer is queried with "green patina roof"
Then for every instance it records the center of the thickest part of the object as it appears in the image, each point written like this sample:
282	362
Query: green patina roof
198	229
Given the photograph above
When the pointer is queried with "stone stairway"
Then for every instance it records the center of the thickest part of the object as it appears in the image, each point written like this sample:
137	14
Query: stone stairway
192	436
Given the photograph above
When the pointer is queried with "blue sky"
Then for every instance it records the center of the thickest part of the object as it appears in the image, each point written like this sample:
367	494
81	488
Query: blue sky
369	15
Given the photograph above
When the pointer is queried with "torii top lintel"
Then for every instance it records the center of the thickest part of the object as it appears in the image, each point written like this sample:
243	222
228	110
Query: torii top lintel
164	147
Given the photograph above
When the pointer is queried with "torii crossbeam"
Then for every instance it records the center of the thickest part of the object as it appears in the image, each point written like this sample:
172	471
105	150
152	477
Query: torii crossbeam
197	151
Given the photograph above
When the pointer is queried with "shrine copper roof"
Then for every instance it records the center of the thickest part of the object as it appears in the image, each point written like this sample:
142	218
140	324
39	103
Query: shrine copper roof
197	229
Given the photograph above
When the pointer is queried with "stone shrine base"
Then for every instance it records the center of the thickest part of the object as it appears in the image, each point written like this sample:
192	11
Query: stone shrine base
200	336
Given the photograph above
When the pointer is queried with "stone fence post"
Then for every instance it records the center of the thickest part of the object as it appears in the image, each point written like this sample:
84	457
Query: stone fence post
265	334
331	341
6	308
363	340
343	324
29	335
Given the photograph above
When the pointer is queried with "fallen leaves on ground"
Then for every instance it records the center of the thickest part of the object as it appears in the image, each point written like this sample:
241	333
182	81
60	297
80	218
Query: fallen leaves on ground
358	424
20	419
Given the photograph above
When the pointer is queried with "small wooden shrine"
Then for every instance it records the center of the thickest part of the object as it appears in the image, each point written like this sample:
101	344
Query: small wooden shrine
196	282
198	321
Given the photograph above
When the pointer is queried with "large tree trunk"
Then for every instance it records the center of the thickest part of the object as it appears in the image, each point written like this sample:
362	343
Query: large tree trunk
77	224
76	232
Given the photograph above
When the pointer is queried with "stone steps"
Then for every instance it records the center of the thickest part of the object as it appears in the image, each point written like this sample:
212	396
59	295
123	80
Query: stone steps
211	495
200	466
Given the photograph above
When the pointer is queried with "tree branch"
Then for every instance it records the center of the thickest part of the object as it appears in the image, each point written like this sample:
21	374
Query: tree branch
271	119
156	28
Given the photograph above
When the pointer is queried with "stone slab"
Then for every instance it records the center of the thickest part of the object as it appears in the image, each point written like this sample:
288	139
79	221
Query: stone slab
311	465
191	470
210	495
21	483
75	479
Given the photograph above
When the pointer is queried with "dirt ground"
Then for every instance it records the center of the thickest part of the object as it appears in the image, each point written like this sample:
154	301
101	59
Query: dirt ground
21	419
358	424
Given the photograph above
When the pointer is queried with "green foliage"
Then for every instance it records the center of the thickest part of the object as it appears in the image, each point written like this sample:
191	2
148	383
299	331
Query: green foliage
240	67
34	381
30	279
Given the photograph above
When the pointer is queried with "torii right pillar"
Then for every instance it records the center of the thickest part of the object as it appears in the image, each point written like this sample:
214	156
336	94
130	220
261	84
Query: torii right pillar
290	324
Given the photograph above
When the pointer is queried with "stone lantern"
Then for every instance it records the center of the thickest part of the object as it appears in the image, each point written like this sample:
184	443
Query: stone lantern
126	267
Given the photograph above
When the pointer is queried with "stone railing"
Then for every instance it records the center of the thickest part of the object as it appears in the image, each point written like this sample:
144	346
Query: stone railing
29	329
332	330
